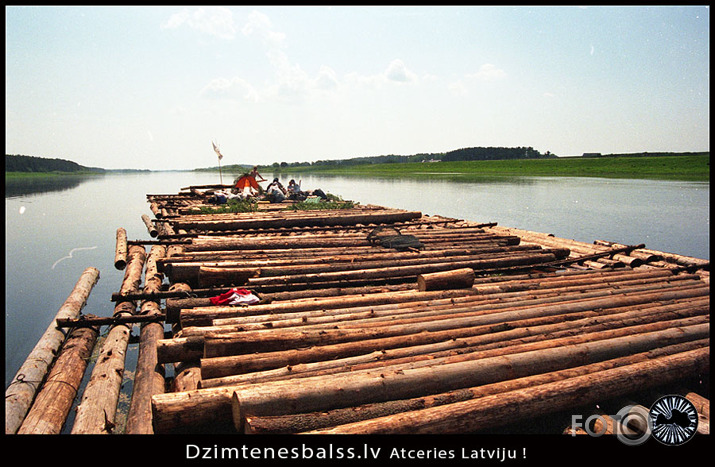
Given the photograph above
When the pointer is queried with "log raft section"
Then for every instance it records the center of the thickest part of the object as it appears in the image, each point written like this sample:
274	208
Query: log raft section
353	337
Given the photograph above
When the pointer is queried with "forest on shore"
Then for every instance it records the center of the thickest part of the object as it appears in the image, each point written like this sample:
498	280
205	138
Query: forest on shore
34	164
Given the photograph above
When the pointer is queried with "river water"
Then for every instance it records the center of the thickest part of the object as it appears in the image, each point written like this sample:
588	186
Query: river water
55	229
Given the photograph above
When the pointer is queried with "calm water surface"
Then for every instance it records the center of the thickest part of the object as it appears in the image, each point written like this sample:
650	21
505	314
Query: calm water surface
54	232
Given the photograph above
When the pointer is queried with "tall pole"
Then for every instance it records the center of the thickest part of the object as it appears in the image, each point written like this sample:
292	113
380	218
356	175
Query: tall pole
220	156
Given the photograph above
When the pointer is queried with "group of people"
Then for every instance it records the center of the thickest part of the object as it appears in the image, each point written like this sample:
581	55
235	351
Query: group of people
246	186
277	193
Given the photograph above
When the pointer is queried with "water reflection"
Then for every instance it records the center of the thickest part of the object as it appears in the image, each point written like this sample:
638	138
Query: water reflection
22	186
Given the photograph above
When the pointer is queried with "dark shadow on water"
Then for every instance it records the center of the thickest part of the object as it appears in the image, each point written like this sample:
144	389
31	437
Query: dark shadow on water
23	186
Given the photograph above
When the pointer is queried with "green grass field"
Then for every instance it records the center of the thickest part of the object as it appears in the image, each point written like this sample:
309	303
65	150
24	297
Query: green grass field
686	167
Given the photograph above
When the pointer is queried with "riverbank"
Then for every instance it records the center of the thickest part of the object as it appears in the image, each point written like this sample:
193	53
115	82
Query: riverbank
39	175
686	167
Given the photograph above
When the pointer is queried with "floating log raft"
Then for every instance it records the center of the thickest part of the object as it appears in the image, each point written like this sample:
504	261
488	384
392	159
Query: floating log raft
444	332
419	322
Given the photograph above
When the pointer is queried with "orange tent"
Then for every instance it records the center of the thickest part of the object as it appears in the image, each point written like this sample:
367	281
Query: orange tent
247	181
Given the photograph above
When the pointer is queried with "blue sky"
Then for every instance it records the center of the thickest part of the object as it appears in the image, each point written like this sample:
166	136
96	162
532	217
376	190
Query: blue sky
151	87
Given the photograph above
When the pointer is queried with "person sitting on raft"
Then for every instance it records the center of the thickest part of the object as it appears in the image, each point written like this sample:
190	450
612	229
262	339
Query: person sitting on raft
275	192
294	191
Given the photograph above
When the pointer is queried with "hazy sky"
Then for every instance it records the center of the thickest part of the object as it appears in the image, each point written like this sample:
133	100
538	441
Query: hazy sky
151	87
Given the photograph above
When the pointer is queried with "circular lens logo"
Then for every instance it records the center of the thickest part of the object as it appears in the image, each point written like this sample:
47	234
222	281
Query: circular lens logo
674	420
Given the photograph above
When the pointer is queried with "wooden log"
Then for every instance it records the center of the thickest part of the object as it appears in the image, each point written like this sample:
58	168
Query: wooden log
22	389
149	374
189	271
205	316
226	343
133	271
219	366
435	300
174	266
187	376
97	410
456	279
519	333
301	422
180	349
120	255
333	391
336	218
487	412
153	278
644	256
209	276
225	245
150	227
54	401
414	270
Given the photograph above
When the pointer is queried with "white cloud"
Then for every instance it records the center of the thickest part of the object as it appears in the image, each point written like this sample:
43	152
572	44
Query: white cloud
235	88
215	21
260	25
458	89
397	71
488	72
327	79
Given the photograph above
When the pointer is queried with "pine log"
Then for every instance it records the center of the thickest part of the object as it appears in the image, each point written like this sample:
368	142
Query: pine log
519	334
488	412
174	351
120	256
334	219
209	277
456	279
220	366
150	227
329	392
54	401
217	344
382	272
190	271
290	245
187	376
217	367
395	314
286	265
204	316
321	255
149	374
22	389
307	312
133	271
295	423
306	309
97	410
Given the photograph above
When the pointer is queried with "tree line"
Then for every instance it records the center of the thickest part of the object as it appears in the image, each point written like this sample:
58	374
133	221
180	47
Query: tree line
21	163
464	154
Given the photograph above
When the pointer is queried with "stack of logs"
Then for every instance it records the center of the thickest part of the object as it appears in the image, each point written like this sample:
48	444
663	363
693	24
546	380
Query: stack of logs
351	337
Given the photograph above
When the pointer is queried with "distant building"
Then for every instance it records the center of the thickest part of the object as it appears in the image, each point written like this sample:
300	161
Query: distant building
591	154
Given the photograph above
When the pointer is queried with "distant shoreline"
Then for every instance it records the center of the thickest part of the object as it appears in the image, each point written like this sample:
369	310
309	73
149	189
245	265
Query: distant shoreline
689	167
686	168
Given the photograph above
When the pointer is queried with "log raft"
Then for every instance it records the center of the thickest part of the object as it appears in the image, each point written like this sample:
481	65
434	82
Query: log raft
346	334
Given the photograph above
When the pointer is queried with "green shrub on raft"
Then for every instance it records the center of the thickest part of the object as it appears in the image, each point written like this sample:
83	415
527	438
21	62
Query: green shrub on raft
233	205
